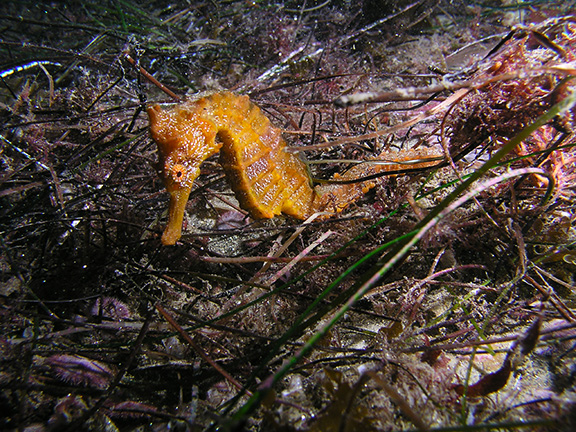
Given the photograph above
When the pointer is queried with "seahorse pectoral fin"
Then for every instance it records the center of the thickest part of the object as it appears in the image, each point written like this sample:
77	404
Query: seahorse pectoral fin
173	230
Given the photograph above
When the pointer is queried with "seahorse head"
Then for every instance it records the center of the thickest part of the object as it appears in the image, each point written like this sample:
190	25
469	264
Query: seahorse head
185	139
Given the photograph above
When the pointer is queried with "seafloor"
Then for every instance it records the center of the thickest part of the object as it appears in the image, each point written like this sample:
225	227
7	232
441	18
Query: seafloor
442	295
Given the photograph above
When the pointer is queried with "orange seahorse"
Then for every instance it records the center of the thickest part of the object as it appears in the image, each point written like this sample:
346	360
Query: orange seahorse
266	179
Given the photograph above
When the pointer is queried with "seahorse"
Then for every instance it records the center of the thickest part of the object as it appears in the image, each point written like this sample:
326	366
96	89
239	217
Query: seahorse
266	179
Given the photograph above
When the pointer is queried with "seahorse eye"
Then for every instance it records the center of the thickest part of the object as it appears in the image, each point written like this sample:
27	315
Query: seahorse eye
178	172
180	175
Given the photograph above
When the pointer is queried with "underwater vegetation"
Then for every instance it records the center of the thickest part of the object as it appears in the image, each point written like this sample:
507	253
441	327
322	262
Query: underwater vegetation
372	223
